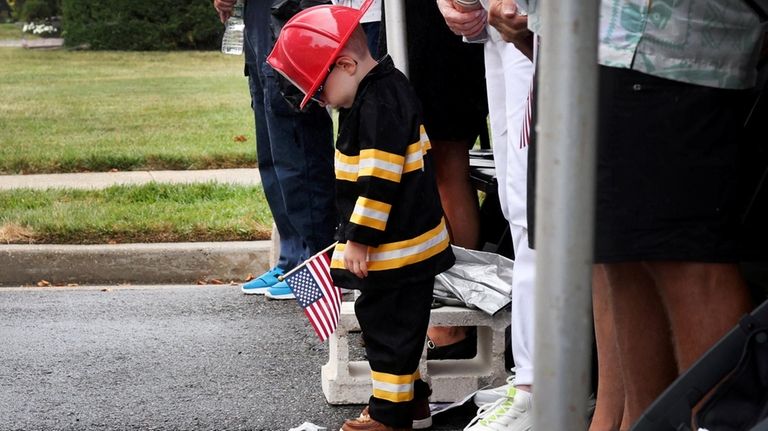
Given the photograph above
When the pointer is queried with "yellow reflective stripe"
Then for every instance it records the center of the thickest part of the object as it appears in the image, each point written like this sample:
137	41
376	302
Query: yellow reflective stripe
393	387
349	160
402	253
396	379
368	222
395	397
381	164
414	159
374	205
424	138
371	213
337	257
346	176
345	167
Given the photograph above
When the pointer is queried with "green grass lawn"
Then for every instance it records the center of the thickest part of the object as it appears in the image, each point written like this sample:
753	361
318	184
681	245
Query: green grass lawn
13	31
75	111
127	214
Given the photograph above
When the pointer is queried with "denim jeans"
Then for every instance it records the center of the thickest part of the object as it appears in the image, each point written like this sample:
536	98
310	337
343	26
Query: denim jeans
294	149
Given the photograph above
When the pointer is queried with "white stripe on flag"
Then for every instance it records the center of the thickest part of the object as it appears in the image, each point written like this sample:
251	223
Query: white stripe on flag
323	331
320	271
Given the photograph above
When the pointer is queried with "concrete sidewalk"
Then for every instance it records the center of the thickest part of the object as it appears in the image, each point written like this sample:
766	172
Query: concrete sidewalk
28	264
44	43
97	180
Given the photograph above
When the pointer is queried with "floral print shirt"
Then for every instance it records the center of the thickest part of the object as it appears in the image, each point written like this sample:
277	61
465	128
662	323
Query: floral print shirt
713	43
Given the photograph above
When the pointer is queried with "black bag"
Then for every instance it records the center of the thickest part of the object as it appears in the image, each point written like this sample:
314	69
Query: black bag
741	402
740	361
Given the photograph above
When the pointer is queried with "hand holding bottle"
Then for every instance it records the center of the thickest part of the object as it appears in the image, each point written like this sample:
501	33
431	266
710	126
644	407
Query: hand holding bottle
232	42
461	22
224	8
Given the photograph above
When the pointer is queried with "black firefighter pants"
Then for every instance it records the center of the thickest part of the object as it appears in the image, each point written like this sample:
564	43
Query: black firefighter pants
394	320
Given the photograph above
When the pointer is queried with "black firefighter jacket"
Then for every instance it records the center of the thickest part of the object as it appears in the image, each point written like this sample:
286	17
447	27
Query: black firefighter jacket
385	188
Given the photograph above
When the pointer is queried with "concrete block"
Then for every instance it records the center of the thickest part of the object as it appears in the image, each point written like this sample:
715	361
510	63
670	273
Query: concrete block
349	382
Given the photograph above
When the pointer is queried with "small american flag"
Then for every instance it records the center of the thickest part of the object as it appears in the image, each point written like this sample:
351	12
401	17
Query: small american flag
316	294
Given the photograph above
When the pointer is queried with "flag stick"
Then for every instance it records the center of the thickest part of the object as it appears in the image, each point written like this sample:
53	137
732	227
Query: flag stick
303	264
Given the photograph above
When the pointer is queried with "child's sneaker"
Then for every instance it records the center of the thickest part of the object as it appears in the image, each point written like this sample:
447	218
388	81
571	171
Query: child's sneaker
422	416
280	290
260	284
510	413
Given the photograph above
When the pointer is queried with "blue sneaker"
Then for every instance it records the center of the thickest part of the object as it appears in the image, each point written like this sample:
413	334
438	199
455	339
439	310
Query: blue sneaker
280	290
259	285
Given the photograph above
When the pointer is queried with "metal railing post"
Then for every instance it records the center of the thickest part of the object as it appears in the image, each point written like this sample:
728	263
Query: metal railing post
566	144
397	46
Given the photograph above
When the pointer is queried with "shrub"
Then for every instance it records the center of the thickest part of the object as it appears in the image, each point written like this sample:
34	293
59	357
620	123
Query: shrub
141	25
5	11
38	10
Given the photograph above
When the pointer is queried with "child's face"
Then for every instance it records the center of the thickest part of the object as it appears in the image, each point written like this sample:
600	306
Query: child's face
340	85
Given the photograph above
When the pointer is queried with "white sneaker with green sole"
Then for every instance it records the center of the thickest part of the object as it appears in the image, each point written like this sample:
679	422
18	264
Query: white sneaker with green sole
509	413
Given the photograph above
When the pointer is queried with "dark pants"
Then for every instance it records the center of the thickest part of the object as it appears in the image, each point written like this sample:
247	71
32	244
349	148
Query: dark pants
373	34
394	322
295	152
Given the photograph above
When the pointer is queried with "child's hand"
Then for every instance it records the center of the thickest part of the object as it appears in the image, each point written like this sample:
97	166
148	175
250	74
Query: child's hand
356	258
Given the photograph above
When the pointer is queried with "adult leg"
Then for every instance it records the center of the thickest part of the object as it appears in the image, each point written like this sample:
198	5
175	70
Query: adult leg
459	199
508	77
462	215
609	409
523	297
518	71
642	331
302	156
269	180
286	137
703	301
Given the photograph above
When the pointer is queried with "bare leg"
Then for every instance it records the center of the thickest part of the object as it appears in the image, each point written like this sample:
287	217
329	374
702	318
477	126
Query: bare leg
609	409
703	300
642	330
458	197
459	202
445	335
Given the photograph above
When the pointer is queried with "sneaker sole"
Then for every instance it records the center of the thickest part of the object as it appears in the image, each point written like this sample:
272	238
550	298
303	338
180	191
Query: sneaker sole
482	399
280	297
420	424
254	291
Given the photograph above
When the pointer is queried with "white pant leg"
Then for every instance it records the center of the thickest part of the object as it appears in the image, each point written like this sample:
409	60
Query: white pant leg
497	101
523	295
509	74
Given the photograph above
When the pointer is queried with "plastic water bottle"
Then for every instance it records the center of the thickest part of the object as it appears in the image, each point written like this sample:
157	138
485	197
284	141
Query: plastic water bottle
232	42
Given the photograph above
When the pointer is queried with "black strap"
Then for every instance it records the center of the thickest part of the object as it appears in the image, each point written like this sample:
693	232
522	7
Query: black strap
758	9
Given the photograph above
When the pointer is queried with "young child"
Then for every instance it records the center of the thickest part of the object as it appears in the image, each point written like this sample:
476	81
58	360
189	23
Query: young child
392	236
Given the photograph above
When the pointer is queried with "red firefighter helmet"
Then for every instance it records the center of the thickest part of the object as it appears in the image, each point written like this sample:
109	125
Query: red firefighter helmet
311	41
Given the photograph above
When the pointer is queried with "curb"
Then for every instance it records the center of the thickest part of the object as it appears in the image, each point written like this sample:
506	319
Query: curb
165	263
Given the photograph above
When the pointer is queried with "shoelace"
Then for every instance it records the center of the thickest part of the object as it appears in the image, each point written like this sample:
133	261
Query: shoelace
493	415
505	388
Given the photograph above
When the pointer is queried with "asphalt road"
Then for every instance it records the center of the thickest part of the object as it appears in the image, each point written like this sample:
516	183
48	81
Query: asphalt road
162	358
